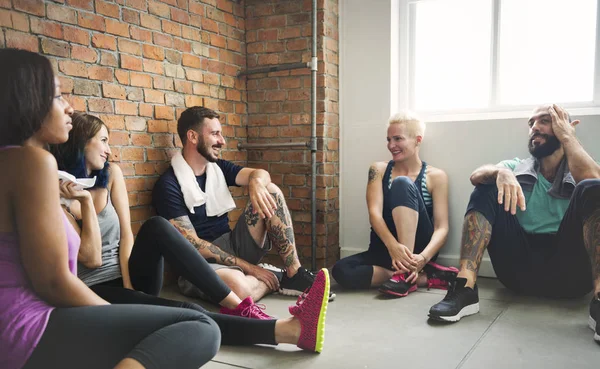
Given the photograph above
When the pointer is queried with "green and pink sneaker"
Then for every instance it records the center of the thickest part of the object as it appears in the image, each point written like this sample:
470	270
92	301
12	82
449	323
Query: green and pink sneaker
310	310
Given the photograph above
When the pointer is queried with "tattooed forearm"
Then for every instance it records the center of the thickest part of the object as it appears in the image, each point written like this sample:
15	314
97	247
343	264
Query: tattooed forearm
372	174
476	236
591	238
226	259
185	227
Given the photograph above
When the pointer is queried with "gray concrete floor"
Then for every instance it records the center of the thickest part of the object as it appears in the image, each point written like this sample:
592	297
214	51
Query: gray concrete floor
364	330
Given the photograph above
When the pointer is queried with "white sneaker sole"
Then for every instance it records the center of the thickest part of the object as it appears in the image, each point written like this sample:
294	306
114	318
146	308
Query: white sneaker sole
286	292
592	325
466	311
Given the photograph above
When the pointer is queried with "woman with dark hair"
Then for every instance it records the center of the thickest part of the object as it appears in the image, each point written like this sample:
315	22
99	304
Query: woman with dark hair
48	317
126	272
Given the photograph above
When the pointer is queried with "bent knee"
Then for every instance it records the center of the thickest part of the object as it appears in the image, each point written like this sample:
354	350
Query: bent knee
206	338
237	281
274	189
344	274
156	223
588	186
403	183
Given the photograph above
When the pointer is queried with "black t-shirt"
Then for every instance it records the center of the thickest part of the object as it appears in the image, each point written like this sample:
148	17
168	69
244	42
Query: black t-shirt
167	199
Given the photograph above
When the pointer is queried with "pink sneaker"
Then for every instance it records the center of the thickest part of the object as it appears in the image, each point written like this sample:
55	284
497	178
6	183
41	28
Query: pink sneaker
247	309
438	276
398	286
310	310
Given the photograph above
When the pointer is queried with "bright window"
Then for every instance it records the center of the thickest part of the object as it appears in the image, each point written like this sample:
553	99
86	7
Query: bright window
498	55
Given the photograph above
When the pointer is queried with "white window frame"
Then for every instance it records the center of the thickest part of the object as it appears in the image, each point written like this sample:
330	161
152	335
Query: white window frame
405	77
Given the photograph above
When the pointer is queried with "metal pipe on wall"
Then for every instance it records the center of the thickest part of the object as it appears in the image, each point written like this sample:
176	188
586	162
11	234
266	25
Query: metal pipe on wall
313	139
274	68
312	144
242	146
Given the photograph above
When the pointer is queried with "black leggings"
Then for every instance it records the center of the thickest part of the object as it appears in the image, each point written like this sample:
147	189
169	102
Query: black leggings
99	337
356	271
551	265
234	330
157	240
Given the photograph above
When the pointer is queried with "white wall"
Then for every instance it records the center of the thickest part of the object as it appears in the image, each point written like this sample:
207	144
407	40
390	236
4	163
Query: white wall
365	105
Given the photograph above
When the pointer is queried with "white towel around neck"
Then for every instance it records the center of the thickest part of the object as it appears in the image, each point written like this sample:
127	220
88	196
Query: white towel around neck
217	197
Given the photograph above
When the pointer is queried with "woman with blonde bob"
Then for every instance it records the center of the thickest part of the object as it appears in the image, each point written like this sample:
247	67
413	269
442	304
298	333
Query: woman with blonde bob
407	201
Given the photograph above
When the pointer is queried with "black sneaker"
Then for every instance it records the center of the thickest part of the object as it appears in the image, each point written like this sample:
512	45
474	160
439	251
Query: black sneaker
397	286
273	269
594	319
296	285
459	301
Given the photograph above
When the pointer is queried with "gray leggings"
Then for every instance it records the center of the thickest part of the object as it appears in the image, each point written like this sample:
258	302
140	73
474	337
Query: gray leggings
99	337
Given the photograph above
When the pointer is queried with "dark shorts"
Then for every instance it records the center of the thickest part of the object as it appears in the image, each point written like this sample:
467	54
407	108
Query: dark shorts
238	242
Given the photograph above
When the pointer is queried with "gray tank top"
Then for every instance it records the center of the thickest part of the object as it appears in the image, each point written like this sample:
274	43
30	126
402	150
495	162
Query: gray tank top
110	231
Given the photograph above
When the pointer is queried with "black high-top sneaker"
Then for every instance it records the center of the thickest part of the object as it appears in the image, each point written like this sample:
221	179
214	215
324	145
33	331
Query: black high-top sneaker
459	301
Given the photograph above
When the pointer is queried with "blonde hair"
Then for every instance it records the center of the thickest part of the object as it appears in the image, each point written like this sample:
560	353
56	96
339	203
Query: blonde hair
414	125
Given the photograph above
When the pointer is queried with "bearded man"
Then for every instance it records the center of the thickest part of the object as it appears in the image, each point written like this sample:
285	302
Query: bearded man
193	195
539	219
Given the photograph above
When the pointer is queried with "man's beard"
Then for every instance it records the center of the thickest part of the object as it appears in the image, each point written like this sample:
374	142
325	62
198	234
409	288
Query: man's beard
546	149
205	151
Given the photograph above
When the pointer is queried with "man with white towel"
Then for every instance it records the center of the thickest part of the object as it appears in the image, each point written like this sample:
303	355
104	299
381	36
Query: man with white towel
193	195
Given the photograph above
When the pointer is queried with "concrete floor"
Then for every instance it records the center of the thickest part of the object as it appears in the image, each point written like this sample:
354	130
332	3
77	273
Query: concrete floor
364	330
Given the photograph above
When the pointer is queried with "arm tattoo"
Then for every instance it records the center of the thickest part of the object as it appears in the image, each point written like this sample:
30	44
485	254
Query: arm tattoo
476	235
591	238
185	227
372	174
226	259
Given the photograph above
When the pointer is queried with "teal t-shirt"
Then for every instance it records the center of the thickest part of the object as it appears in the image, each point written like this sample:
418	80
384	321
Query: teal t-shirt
544	212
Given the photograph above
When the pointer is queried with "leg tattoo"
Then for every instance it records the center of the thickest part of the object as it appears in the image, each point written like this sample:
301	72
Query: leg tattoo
252	218
476	236
281	232
282	211
591	238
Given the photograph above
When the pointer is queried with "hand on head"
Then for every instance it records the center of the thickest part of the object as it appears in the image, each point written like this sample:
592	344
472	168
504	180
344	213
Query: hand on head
562	127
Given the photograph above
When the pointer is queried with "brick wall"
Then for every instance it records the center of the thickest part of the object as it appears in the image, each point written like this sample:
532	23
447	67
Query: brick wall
139	63
279	32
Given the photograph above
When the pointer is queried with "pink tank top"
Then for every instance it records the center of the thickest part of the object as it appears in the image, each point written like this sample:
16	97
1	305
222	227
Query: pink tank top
23	315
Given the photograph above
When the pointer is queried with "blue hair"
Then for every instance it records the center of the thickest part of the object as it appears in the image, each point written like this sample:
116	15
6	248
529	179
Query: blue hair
79	171
70	155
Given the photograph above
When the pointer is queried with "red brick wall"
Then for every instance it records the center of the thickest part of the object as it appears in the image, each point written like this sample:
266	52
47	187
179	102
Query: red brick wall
278	32
139	63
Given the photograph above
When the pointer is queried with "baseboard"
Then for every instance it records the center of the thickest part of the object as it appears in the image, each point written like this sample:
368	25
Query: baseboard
485	270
